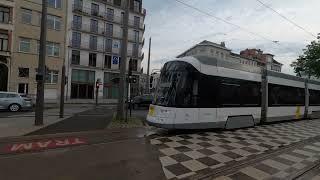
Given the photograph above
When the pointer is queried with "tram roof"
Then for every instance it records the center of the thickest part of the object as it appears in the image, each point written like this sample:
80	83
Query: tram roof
199	61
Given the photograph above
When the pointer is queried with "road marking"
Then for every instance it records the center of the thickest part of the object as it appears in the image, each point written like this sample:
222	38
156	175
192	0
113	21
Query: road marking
43	144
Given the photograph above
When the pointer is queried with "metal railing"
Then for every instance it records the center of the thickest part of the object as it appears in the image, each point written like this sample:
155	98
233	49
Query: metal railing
88	28
87	45
107	16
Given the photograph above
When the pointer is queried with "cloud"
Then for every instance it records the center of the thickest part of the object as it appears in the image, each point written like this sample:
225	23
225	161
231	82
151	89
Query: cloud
175	28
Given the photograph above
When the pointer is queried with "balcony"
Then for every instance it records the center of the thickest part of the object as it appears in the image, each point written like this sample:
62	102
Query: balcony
88	11
87	46
88	28
106	16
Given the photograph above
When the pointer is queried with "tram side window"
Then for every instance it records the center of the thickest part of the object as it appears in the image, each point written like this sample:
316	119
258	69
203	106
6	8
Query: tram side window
285	95
250	93
314	98
208	90
230	95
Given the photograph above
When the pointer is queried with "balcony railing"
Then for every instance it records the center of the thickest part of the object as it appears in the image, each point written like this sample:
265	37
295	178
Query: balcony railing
107	16
87	46
88	28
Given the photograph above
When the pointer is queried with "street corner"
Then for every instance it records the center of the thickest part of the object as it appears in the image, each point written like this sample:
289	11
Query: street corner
42	145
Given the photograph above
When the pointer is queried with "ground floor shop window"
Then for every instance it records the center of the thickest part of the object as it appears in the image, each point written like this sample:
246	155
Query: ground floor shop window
82	85
82	91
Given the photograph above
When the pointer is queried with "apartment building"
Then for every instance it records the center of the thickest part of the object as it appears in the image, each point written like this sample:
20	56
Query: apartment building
94	36
6	31
247	57
25	53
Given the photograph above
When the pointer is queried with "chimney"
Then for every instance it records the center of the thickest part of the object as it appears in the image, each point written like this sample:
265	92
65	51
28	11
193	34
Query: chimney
223	44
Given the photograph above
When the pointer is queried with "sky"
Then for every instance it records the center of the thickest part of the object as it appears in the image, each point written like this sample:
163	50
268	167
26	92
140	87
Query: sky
175	28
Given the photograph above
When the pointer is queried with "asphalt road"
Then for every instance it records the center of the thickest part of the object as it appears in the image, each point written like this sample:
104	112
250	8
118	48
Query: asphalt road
4	113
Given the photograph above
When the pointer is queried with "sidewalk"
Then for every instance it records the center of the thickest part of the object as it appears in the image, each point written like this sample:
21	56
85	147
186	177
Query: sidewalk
19	125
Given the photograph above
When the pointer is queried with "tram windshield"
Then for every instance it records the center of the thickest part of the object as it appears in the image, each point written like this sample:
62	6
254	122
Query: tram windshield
178	85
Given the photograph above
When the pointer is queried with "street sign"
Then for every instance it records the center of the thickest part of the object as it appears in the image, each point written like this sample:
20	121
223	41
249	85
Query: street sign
115	60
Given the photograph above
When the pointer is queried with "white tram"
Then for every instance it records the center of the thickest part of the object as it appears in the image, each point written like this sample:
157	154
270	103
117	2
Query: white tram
204	92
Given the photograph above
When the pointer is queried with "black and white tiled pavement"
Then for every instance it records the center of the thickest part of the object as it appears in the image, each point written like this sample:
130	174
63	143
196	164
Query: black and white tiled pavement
188	155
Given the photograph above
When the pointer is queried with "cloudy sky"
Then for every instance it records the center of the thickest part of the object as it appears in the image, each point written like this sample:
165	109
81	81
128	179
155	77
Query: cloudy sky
175	27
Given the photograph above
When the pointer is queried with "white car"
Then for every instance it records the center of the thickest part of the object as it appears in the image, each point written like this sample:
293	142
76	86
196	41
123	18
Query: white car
14	102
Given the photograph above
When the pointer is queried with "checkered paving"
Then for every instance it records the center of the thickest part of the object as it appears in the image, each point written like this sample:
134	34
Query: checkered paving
186	155
283	166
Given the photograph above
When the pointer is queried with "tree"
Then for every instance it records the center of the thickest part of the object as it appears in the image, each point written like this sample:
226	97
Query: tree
309	63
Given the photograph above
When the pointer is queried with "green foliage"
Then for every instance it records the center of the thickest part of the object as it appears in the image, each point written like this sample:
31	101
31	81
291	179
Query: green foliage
309	62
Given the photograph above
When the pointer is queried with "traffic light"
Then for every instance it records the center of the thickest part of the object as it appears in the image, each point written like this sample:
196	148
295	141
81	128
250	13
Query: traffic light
132	80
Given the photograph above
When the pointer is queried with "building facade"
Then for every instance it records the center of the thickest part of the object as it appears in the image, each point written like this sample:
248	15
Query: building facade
208	48
94	44
25	54
262	58
6	33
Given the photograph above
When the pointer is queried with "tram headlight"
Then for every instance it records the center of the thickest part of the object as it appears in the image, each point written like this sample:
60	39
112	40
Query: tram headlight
151	111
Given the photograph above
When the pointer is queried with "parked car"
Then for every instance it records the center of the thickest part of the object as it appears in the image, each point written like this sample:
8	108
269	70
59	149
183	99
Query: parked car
141	101
14	102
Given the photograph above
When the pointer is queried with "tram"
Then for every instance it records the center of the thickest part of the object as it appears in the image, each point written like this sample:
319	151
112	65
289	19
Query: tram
203	92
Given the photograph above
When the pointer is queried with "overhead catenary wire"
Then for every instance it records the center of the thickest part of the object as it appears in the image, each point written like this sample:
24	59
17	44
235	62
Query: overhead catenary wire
225	21
287	19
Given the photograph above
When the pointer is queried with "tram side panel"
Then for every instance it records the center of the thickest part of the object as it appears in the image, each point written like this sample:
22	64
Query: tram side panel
314	100
286	99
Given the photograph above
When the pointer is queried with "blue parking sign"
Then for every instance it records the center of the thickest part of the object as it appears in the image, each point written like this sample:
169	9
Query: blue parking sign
115	60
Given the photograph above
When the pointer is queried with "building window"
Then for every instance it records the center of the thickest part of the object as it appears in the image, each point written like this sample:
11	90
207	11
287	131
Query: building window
4	42
53	49
93	42
24	72
117	2
133	64
135	50
94	25
24	45
75	57
76	39
108	45
54	22
52	77
23	88
110	14
54	3
122	17
136	21
109	30
4	15
136	36
26	16
82	85
78	4
107	62
92	59
77	22
136	6
94	9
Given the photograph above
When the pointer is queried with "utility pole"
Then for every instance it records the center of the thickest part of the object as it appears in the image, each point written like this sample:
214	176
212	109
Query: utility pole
41	67
123	62
148	69
63	82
